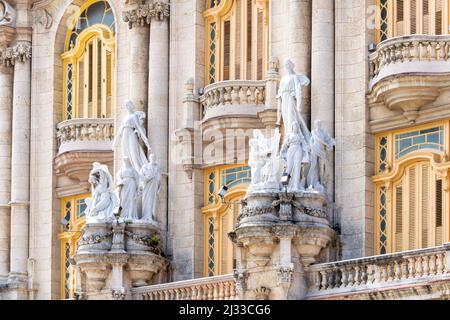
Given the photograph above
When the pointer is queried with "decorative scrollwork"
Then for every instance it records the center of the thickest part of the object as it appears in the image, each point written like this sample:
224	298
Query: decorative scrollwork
253	211
7	14
313	212
150	241
94	238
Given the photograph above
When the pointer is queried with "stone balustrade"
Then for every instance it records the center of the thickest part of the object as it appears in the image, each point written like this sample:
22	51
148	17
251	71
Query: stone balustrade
85	134
211	288
386	272
240	97
409	54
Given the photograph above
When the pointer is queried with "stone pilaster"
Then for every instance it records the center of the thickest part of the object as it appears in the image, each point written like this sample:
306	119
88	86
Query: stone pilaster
299	44
19	56
6	78
322	74
158	98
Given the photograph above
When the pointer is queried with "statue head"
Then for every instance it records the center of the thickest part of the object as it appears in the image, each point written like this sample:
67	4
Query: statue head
129	106
289	65
100	177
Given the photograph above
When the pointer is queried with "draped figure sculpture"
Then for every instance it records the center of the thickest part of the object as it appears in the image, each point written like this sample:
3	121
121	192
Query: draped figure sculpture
321	143
256	159
290	100
295	153
103	203
151	179
130	134
127	181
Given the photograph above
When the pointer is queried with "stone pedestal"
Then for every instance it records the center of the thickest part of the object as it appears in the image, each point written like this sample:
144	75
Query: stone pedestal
277	235
113	258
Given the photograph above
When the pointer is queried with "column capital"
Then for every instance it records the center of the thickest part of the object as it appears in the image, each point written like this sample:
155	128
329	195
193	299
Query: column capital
144	13
20	52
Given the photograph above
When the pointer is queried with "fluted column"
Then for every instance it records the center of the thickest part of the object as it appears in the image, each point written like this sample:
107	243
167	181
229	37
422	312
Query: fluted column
20	161
158	97
322	73
6	85
138	76
299	41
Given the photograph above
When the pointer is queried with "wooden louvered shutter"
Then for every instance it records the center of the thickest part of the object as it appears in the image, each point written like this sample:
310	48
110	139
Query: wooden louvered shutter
425	17
413	16
439	9
399	218
425	205
412	208
399	17
439	207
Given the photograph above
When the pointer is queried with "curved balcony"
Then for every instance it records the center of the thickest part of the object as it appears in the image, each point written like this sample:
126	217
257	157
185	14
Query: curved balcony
408	73
82	142
233	98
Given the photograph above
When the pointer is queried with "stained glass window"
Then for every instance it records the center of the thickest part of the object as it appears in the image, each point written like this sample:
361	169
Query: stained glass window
67	272
81	208
383	153
212	53
69	91
211	259
97	13
235	176
382	219
211	187
432	138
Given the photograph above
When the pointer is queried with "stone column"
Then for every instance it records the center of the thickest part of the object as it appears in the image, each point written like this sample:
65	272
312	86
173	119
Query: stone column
299	42
6	78
322	74
20	161
158	98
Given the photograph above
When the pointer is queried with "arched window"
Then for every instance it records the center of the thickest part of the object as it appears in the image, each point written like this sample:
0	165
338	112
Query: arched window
408	17
237	35
412	193
220	218
88	63
73	214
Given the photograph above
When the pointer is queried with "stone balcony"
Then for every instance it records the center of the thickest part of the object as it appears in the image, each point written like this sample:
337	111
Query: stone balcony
211	288
407	75
80	143
240	98
418	274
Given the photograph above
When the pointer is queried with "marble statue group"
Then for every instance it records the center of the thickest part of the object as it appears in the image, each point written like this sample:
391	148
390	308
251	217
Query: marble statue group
138	181
303	154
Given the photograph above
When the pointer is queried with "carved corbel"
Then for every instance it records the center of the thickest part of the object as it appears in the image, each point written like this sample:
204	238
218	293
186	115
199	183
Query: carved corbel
241	280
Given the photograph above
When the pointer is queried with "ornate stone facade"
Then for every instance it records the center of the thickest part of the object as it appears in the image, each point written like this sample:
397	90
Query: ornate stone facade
354	206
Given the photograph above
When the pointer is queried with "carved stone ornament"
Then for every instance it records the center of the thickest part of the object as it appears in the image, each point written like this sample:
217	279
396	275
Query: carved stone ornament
43	17
253	212
145	13
285	274
7	14
313	212
118	294
241	279
94	238
145	240
18	53
261	293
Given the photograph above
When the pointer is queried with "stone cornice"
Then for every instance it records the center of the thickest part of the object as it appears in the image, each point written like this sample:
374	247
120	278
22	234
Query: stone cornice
144	13
17	53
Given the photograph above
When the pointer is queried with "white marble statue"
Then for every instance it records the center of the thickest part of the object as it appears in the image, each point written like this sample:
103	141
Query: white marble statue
103	203
321	143
127	182
257	157
290	100
295	153
151	180
130	134
273	167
